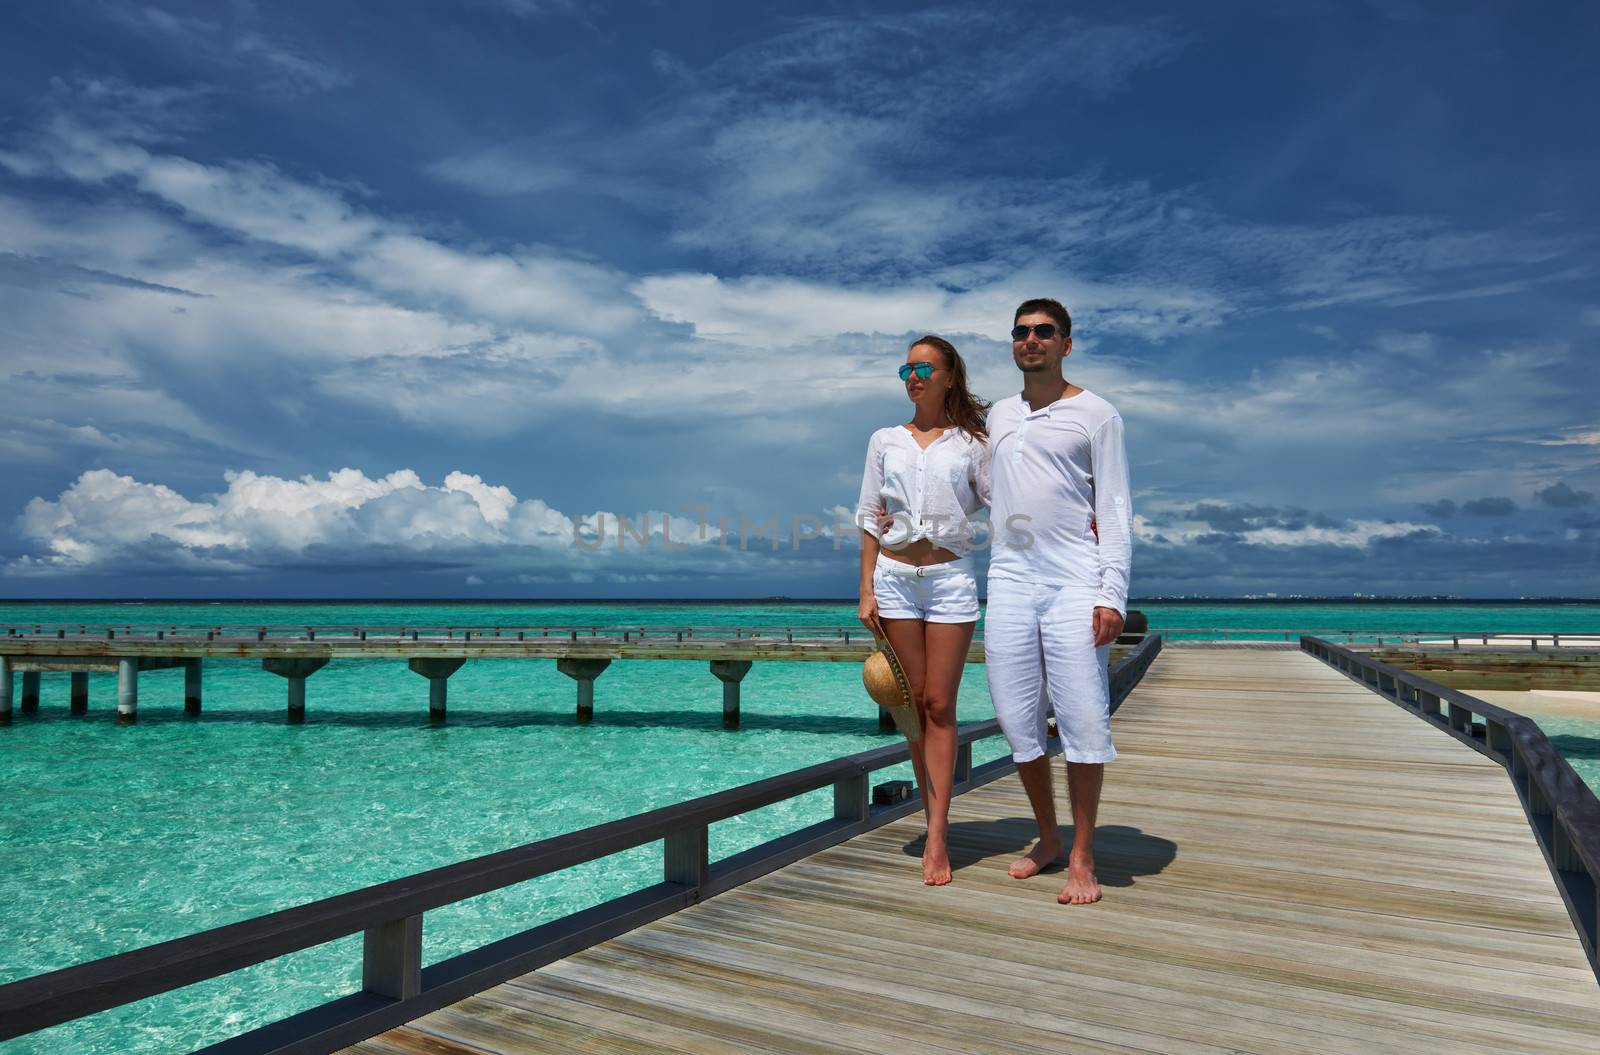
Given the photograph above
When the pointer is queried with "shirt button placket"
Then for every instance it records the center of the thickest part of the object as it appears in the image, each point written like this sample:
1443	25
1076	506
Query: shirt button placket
922	496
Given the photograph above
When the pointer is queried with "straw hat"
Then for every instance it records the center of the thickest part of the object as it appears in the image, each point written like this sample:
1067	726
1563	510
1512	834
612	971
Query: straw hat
886	684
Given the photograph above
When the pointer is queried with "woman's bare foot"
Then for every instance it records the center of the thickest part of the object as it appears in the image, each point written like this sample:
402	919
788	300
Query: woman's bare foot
1082	887
935	863
1040	857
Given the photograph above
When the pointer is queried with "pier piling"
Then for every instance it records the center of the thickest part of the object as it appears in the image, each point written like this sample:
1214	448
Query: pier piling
78	700
191	688
730	672
296	671
30	691
583	671
5	690
437	671
127	690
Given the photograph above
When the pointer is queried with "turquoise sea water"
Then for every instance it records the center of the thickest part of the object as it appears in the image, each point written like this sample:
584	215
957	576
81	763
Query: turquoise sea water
115	838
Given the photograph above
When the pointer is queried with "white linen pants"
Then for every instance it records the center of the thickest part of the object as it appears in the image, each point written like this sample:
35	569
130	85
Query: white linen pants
1040	656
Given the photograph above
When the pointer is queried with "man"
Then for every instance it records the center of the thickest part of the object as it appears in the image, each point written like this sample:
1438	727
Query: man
1058	583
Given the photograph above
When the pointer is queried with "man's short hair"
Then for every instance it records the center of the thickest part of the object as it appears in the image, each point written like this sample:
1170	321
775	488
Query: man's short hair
1046	306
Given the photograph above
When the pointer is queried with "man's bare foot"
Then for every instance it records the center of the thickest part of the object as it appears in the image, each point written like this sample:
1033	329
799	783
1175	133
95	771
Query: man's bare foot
1039	857
935	863
1082	887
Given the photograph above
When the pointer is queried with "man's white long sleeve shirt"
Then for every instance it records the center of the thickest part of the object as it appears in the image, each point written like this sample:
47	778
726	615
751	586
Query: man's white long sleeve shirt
1059	474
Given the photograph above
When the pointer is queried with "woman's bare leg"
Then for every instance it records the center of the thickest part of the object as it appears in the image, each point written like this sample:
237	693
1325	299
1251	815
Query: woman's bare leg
946	657
908	639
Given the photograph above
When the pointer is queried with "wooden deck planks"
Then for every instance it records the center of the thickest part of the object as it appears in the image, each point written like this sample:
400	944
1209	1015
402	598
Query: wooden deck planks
1291	864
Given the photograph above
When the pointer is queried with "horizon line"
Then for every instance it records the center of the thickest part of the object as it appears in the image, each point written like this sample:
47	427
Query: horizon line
785	599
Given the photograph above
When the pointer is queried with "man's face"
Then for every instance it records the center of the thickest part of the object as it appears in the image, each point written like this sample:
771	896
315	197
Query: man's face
1035	355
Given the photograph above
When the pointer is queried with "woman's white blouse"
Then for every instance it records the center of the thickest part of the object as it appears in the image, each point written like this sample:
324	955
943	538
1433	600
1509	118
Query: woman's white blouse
932	494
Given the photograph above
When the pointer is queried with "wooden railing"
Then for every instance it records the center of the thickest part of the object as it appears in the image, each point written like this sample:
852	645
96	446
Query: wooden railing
1561	808
290	632
396	987
294	632
1533	640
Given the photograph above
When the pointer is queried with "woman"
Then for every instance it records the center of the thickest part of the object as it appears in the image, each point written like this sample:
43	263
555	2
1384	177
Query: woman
923	482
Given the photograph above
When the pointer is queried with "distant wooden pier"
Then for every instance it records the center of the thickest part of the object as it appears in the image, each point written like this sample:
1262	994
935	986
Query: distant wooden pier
295	653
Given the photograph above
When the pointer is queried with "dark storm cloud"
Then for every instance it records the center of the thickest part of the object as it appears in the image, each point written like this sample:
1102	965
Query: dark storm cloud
1237	519
1560	496
1489	507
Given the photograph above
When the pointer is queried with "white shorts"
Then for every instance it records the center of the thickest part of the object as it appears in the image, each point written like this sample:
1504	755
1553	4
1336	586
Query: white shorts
935	593
1039	654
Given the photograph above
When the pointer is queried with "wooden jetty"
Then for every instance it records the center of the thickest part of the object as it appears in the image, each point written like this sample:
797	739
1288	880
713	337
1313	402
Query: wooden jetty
295	653
1291	864
1302	852
1573	665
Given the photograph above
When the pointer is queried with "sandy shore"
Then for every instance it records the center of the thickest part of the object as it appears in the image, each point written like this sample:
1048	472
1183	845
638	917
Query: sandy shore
1518	642
1558	703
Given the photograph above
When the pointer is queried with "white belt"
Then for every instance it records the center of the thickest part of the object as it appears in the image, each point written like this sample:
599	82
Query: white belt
924	571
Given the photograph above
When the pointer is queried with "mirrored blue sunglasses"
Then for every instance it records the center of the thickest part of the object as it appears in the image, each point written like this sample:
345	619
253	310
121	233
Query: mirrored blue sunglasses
922	370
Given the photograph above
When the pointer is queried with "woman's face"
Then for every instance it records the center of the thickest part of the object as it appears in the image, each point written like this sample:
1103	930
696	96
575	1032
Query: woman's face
929	391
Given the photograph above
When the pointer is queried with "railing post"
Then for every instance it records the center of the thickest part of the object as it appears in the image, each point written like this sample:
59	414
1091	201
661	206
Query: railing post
1460	718
1428	703
850	798
685	856
391	959
1499	737
963	764
1562	852
1538	802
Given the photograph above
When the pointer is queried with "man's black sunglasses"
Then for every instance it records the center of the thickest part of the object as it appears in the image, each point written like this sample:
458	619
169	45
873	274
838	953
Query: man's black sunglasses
1045	331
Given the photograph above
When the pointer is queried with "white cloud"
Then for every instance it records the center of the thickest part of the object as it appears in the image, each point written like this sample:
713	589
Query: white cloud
1175	526
1572	438
256	201
112	522
531	289
757	310
1357	533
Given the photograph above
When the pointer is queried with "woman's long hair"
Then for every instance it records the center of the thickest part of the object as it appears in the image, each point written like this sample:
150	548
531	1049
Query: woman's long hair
965	410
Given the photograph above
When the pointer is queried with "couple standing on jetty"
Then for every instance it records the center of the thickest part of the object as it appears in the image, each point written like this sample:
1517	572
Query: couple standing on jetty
1050	466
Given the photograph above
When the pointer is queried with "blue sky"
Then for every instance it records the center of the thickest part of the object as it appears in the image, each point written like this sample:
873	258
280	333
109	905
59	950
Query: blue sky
379	300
